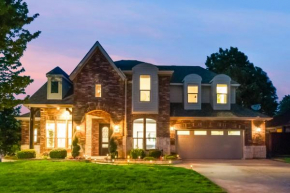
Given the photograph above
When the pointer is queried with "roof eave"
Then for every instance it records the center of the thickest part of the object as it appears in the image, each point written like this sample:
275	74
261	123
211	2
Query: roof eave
220	118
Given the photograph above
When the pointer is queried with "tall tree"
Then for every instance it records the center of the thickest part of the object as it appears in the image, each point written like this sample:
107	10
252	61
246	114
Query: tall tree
284	105
255	85
13	42
9	131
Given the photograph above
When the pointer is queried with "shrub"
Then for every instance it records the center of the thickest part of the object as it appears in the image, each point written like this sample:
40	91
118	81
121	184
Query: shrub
26	154
75	148
155	153
112	145
114	154
170	157
149	158
58	153
135	153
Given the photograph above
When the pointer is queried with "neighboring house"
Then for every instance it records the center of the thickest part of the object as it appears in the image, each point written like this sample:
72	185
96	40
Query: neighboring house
184	109
278	135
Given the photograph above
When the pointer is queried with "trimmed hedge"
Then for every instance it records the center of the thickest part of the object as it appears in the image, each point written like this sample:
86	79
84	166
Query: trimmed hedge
26	154
58	153
149	158
135	153
155	153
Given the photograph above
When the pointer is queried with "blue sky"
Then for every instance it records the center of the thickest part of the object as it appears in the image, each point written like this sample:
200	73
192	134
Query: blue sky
160	32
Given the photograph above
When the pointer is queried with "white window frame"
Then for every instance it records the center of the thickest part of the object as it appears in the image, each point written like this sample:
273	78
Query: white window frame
190	93
220	93
144	90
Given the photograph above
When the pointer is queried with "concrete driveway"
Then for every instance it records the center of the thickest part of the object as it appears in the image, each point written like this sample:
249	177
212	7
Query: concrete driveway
244	175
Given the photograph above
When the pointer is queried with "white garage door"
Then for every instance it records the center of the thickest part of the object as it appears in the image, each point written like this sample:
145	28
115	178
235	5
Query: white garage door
210	144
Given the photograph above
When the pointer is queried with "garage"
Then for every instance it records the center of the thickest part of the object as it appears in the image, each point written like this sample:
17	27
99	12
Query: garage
210	144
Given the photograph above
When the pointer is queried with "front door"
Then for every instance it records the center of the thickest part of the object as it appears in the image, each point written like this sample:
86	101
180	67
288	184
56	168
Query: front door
104	138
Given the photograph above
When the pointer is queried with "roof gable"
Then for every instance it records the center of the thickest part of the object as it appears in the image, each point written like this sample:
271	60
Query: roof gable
58	70
82	63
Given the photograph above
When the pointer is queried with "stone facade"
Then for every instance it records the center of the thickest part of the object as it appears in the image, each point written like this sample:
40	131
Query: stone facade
25	132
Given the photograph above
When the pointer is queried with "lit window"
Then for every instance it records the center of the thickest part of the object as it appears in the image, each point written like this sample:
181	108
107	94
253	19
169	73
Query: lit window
183	132
69	134
145	88
199	132
50	134
222	91
61	134
98	90
192	94
54	87
234	132
58	134
35	135
148	132
217	132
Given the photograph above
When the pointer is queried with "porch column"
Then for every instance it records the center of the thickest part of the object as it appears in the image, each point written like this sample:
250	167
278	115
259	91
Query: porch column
33	111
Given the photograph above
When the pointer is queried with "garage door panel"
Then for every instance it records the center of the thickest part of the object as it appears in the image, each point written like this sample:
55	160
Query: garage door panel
209	146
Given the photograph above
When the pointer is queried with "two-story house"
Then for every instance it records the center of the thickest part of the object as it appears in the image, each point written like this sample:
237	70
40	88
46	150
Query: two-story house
183	109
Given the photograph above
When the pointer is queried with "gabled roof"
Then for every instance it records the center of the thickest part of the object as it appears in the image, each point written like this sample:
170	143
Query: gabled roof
179	71
57	70
280	120
236	112
82	63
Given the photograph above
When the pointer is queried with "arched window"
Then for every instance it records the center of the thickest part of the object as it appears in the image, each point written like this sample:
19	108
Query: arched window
144	133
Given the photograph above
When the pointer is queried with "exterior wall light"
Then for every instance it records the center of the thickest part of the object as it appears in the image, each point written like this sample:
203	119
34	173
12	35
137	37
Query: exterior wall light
258	129
116	128
78	128
171	128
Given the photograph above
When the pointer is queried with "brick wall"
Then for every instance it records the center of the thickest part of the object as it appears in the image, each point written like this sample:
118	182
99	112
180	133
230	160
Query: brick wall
110	106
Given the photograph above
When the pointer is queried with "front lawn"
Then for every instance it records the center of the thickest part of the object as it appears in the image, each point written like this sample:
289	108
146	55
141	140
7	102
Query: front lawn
55	176
287	159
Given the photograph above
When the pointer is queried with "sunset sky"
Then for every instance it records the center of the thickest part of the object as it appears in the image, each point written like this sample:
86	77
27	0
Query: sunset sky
159	32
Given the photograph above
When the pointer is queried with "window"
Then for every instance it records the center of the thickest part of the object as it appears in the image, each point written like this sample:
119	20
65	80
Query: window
183	132
222	91
58	134
144	133
145	88
217	132
98	90
200	133
234	132
54	87
35	136
50	132
192	94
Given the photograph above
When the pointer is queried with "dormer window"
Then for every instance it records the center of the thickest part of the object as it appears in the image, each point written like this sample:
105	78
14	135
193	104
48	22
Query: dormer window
192	94
145	88
222	92
98	90
54	87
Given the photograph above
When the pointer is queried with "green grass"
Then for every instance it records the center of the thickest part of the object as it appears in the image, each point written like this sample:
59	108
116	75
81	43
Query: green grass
54	176
287	159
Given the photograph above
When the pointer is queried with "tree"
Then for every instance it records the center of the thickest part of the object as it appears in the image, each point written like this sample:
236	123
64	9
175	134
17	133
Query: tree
9	131
255	85
284	105
13	42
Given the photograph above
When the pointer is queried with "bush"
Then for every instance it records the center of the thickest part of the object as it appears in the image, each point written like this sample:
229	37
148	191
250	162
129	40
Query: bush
26	154
155	153
112	145
149	158
75	148
114	154
135	153
170	157
58	153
